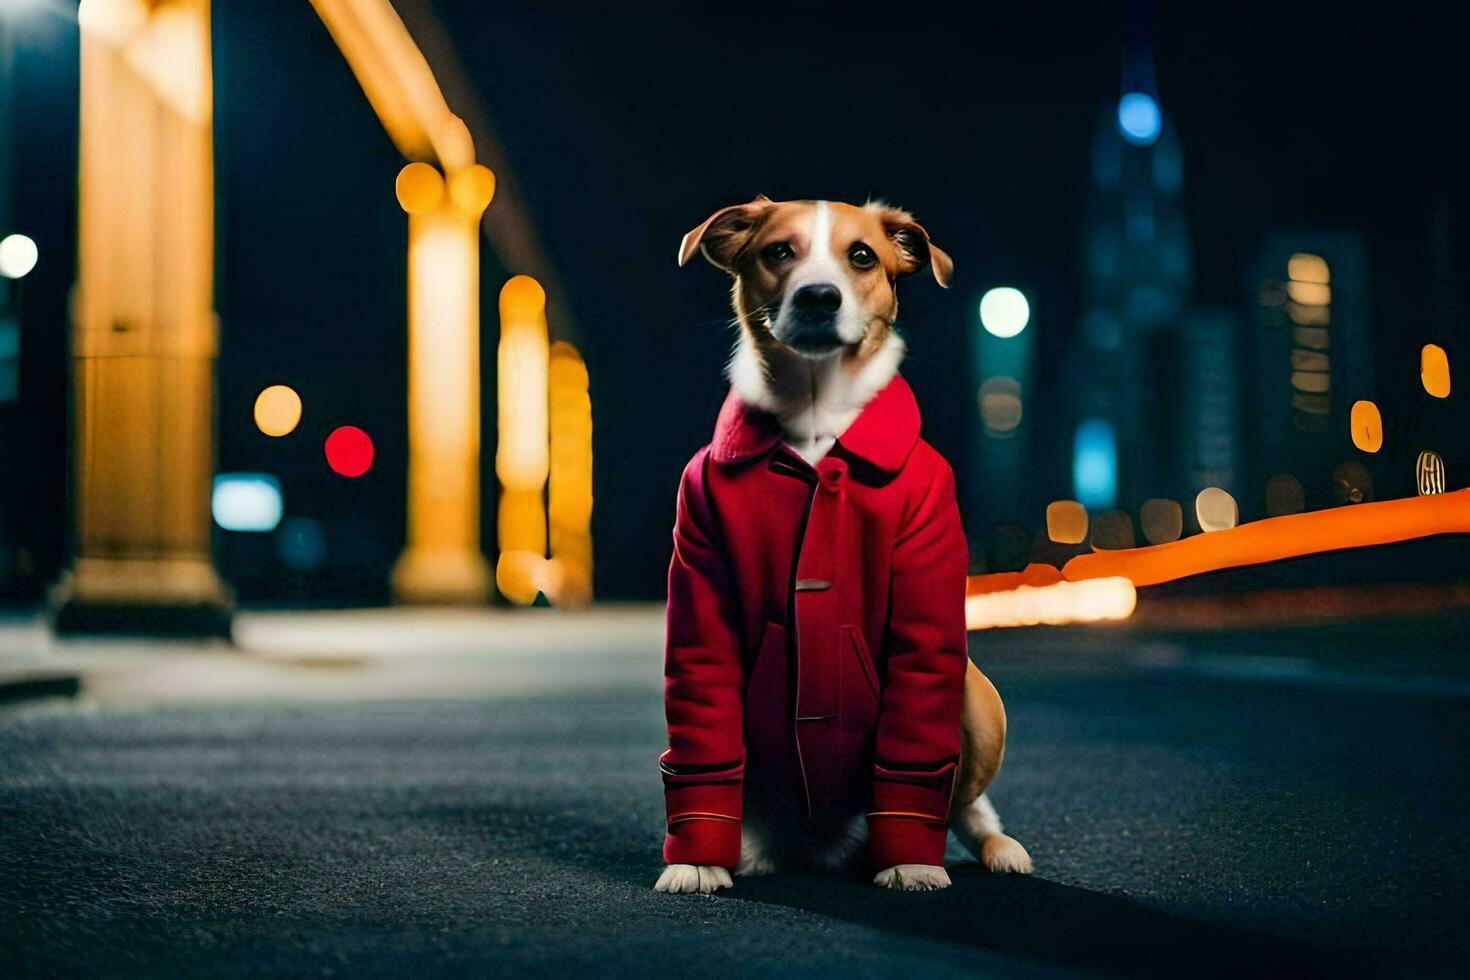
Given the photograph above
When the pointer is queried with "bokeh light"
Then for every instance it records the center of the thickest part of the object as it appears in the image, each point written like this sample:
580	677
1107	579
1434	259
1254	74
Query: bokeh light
112	21
1351	482
1309	293
472	188
1004	311
1285	495
277	410
419	187
569	484
349	451
1429	473
1434	370
18	256
1215	510
301	544
1066	522
1095	464
1162	520
1000	405
1139	119
246	502
1113	531
1060	602
1367	424
1306	267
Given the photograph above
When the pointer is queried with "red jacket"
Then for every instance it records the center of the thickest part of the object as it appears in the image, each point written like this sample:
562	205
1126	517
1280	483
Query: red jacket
816	630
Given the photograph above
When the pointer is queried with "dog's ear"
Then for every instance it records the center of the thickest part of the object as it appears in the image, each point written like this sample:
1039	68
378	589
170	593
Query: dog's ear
915	250
723	235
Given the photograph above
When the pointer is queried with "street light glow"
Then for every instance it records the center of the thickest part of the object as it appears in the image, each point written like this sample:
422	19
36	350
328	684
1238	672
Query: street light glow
1139	119
18	256
1004	311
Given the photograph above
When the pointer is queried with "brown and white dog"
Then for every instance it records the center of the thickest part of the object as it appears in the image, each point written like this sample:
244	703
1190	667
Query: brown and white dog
815	299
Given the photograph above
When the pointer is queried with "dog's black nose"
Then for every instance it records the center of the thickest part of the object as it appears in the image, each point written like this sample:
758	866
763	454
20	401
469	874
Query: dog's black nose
817	299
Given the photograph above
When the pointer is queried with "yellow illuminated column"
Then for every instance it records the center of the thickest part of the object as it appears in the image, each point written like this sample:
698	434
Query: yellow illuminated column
569	489
522	458
442	561
144	337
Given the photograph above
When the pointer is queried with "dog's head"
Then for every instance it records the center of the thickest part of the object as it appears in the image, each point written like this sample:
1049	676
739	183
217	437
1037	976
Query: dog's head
816	277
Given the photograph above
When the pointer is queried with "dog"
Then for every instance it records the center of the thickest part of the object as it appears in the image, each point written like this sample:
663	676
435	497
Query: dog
820	701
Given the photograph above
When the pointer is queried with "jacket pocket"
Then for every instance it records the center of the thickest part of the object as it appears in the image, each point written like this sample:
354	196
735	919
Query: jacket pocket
860	696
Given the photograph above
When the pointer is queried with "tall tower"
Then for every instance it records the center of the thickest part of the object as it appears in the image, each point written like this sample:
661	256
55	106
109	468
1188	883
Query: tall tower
1137	280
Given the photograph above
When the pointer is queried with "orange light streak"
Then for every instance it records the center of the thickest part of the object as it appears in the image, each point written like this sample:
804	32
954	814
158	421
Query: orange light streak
1275	538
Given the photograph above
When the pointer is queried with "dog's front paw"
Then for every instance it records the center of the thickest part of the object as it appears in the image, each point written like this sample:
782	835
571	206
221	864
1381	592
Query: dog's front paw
703	878
1005	855
913	878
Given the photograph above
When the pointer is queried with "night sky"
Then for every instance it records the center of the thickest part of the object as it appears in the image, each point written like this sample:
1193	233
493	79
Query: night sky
628	126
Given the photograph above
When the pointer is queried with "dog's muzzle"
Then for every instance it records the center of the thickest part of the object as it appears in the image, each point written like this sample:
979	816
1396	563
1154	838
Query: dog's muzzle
811	326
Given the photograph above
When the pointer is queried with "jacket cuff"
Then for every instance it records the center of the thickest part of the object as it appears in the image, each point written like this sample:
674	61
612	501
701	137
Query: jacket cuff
910	816
705	804
713	841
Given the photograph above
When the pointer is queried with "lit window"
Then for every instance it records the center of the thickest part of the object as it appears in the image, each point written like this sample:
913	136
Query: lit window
1312	337
1309	360
1315	382
1305	267
1309	293
1309	316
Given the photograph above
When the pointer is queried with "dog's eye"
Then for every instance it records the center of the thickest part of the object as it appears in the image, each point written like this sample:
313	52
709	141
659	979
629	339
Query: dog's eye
861	256
777	252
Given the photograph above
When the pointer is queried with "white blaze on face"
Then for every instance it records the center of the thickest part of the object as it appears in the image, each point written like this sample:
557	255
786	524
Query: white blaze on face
822	264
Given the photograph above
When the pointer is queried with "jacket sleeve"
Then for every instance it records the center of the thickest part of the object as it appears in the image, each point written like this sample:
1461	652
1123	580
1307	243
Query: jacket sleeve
704	766
918	738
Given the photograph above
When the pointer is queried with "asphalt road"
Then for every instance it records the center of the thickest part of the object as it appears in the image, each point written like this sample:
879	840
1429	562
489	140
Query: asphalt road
1258	804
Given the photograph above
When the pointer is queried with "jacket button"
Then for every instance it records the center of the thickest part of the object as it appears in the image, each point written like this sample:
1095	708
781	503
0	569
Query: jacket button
831	479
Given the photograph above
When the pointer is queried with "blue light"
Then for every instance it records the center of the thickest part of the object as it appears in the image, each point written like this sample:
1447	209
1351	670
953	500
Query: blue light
1139	119
246	501
1095	465
301	544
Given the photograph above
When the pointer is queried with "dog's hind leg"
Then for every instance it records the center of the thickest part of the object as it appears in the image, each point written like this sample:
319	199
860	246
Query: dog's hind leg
982	747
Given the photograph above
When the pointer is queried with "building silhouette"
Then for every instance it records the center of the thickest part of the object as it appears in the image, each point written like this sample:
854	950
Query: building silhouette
1311	358
1129	363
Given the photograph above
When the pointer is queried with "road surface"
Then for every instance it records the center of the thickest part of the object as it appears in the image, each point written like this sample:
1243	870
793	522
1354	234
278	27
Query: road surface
1200	803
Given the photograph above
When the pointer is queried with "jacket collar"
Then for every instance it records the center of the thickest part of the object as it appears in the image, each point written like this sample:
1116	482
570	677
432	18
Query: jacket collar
883	434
